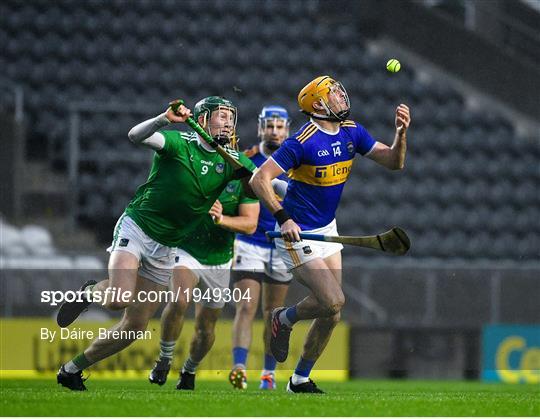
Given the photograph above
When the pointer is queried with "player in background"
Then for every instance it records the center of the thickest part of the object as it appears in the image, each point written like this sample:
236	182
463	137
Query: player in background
204	260
256	263
318	158
186	178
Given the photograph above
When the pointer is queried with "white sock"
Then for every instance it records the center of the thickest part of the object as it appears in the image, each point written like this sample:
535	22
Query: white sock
71	367
284	319
298	379
190	366
268	372
166	349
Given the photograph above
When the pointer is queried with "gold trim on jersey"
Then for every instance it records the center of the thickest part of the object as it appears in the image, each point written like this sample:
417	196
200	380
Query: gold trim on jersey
329	175
309	136
308	132
348	123
292	253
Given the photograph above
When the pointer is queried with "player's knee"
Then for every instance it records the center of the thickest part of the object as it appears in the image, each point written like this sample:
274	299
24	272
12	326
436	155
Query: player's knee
245	309
334	305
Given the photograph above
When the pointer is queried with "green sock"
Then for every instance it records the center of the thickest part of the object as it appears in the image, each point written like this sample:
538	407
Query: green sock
81	361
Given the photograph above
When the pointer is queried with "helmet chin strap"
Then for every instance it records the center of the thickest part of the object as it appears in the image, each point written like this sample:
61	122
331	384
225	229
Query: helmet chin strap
330	115
342	116
221	139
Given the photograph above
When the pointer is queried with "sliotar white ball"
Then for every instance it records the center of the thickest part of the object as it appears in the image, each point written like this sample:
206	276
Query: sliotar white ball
393	65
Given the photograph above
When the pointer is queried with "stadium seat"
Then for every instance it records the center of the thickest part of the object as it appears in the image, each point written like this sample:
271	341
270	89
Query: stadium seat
37	240
463	161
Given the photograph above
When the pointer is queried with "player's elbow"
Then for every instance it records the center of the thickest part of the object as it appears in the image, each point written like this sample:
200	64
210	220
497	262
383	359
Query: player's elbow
251	229
251	226
255	181
132	136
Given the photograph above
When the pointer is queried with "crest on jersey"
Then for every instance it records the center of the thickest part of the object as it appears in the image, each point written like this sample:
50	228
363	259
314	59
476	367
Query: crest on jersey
350	148
220	167
307	250
230	187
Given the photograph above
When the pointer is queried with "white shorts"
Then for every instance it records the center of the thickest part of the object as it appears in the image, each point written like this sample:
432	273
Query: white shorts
255	259
156	261
296	254
211	277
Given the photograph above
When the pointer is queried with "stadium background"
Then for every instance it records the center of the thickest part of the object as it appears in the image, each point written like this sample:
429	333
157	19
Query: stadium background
77	75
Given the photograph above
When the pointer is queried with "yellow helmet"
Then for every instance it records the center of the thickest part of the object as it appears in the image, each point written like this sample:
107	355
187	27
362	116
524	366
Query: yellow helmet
318	91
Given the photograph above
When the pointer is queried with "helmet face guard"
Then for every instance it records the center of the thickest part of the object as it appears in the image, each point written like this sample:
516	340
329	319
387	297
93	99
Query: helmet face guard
219	118
223	130
277	119
336	104
326	99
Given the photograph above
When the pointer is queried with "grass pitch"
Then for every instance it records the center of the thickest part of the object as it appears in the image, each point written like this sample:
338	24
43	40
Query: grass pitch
354	398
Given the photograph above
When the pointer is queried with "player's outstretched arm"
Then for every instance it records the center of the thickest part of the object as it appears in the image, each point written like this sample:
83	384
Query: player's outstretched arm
394	157
146	133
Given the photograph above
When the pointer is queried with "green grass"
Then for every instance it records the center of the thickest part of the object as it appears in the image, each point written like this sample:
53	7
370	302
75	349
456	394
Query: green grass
353	398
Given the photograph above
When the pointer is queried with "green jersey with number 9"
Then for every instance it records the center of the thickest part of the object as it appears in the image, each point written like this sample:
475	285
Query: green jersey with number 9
184	182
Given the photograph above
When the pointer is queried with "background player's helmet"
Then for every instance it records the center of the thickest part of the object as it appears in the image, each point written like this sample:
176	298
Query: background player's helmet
209	104
272	113
318	91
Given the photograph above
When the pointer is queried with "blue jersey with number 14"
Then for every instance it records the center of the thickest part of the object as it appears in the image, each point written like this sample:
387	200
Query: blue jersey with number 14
318	165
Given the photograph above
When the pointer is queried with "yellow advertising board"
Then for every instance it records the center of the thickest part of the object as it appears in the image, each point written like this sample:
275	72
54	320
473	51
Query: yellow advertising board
36	347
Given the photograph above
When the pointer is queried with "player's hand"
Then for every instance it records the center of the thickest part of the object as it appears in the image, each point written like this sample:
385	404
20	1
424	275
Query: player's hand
403	119
290	231
216	212
181	114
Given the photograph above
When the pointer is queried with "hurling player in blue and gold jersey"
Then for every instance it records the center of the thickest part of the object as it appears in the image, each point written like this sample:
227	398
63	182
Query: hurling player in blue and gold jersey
318	161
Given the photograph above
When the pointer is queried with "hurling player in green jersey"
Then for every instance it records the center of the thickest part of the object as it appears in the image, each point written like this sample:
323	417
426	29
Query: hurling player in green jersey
186	178
204	261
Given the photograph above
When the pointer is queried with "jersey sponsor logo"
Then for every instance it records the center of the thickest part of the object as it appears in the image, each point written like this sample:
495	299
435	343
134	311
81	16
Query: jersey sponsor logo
209	163
321	171
307	250
322	153
123	242
335	144
220	167
329	175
